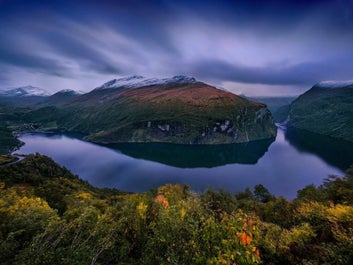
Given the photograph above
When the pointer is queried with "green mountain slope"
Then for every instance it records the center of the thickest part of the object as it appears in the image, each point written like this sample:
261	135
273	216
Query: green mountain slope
173	110
8	141
188	112
325	109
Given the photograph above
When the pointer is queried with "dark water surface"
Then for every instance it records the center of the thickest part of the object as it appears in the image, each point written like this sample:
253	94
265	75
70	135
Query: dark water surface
284	165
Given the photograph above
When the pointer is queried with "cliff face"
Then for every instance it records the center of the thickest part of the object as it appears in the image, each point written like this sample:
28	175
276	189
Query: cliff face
327	109
183	113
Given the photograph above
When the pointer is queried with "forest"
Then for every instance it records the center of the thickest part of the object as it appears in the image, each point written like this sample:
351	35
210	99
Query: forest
50	216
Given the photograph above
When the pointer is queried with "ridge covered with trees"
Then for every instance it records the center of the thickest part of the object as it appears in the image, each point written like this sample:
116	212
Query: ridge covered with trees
50	216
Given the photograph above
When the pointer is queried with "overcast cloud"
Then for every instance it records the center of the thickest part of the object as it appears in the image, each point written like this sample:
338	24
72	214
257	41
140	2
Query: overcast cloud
273	47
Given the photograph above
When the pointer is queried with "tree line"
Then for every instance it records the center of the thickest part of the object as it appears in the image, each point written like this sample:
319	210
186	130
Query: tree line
50	216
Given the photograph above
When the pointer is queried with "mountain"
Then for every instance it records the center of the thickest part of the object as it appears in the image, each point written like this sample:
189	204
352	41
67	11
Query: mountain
61	97
25	91
68	92
25	96
175	110
273	103
327	108
29	96
334	84
279	106
137	81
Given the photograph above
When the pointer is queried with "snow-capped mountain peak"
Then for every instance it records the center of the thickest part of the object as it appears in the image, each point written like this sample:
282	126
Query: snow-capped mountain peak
24	91
140	81
69	91
334	84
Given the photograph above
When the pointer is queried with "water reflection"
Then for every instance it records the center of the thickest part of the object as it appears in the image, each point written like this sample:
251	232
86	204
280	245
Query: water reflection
278	166
193	156
338	153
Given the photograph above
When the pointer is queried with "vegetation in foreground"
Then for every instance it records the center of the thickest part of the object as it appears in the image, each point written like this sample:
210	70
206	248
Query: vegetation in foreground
49	216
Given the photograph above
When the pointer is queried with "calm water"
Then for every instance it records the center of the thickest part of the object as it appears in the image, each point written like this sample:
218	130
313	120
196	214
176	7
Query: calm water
284	165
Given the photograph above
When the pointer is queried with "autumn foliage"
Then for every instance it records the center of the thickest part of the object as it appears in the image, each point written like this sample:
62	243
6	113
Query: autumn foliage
49	216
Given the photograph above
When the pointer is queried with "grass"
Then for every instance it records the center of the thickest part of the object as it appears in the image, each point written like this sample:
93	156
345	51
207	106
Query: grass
6	159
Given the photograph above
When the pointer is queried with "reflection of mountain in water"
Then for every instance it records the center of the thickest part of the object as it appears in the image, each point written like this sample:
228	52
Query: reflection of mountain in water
338	153
192	156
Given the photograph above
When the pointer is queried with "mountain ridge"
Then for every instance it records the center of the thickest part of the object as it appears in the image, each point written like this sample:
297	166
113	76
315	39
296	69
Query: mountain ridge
176	110
334	84
136	81
24	91
326	108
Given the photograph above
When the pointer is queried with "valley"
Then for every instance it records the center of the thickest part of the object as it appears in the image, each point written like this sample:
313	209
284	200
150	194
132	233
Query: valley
173	127
176	132
138	167
178	110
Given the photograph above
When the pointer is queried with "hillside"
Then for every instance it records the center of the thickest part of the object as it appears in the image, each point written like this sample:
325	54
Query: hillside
50	215
60	98
175	110
279	106
8	141
327	108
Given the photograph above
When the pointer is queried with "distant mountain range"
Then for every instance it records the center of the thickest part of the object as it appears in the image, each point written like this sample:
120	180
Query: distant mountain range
30	96
24	91
31	91
274	103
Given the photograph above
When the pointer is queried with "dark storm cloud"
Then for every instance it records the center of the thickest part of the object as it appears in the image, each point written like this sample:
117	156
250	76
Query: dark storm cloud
63	27
76	46
25	48
258	75
3	76
218	40
307	73
30	61
276	15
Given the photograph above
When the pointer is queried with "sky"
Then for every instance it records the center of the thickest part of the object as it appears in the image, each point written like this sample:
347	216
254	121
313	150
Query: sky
249	47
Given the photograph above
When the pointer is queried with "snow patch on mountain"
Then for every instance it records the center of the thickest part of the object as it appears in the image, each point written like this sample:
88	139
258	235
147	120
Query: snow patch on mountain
334	84
24	91
137	81
69	91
